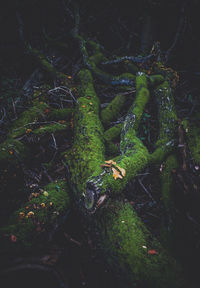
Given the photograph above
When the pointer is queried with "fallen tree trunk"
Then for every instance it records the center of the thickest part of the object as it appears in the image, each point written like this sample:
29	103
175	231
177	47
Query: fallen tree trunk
117	230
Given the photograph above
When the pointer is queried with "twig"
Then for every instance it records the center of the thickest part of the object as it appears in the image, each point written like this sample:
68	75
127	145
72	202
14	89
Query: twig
72	240
129	58
64	89
145	189
54	141
14	109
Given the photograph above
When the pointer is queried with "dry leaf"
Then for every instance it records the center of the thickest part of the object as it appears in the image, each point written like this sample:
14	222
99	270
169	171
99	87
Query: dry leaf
13	238
122	170
152	252
111	162
116	174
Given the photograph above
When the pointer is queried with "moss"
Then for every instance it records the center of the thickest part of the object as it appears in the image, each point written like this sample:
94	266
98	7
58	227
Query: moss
134	159
61	114
112	111
156	79
125	241
9	149
167	180
38	215
52	128
134	155
113	132
27	118
136	110
47	66
87	152
167	121
193	140
167	189
111	149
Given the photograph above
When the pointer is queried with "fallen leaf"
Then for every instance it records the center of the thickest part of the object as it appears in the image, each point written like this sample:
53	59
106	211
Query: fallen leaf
152	252
116	174
47	111
105	165
122	170
111	162
13	238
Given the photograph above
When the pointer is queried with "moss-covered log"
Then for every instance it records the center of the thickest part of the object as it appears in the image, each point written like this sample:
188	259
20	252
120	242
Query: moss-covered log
112	111
13	150
134	155
132	251
167	189
111	135
193	138
167	121
38	217
46	66
122	236
88	149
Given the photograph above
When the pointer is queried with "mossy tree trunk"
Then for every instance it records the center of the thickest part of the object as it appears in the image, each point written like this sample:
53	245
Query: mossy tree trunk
95	182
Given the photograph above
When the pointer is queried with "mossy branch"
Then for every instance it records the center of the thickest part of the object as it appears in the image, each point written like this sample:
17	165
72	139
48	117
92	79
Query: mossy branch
134	155
37	217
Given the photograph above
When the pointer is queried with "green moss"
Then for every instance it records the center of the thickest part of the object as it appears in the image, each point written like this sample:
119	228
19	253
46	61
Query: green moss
142	97
113	132
133	160
47	66
61	114
167	121
8	149
125	241
156	79
27	118
38	215
87	152
52	128
112	111
193	140
134	155
111	149
167	189
167	180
